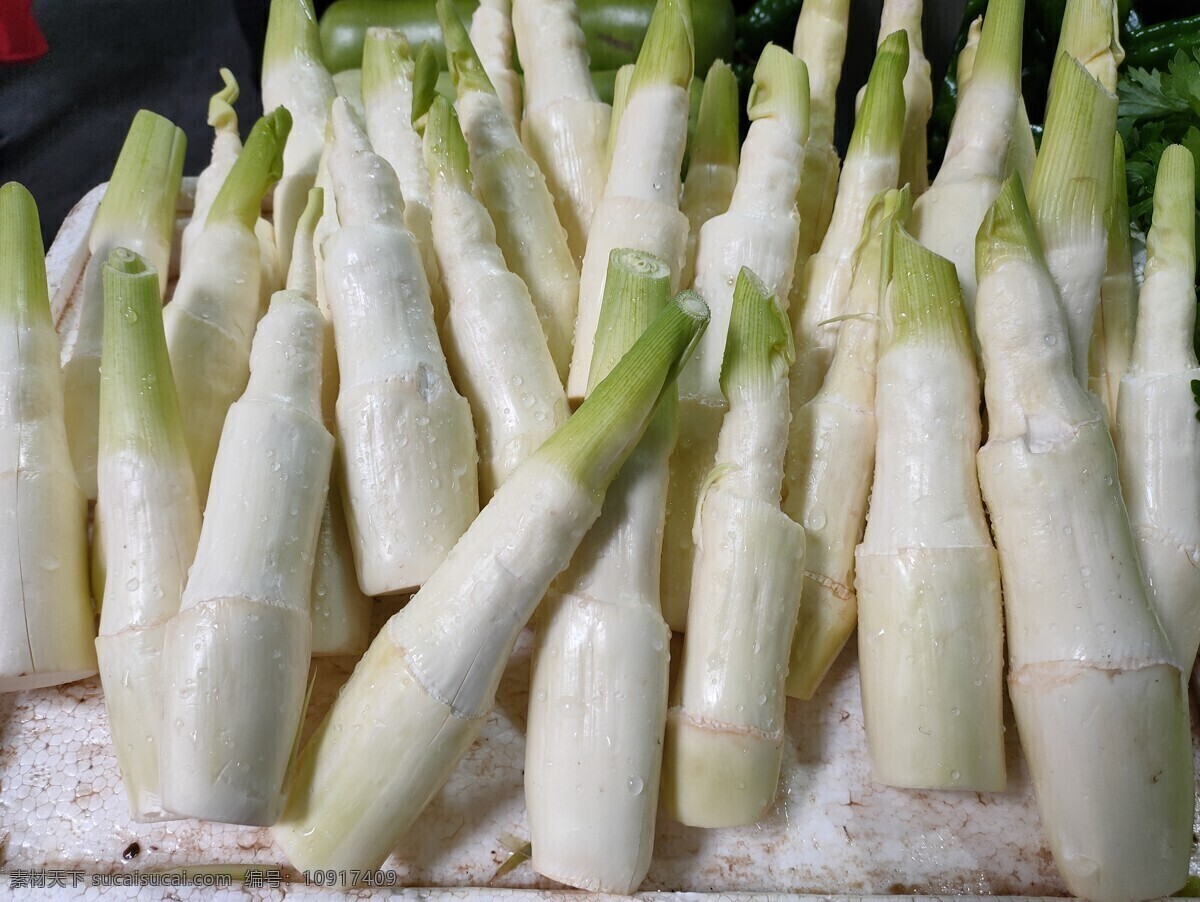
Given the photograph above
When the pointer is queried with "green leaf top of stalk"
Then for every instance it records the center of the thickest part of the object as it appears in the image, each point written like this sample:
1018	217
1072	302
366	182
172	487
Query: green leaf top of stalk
446	153
595	441
924	298
24	297
140	198
1007	231
1171	242
1120	239
387	58
465	65
257	168
636	289
716	142
1090	34
1073	173
997	58
425	81
302	273
879	129
292	34
138	403
667	56
780	91
621	86
759	350
893	205
221	114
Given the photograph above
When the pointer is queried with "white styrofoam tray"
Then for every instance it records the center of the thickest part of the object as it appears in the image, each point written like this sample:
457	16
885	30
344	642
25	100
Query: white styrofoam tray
832	831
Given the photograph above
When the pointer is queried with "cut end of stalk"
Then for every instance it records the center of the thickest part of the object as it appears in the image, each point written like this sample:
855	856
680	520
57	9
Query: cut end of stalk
1089	33
1007	231
998	57
759	351
387	58
425	81
667	56
446	153
924	296
1076	148
292	33
258	166
302	273
221	115
780	91
595	441
1172	238
465	65
636	289
716	141
879	129
141	194
22	256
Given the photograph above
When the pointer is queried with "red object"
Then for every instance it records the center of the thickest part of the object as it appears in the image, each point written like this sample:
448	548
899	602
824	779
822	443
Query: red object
21	41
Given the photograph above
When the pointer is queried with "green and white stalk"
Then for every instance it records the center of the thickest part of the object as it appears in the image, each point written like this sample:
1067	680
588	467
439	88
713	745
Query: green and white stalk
1099	699
758	232
341	613
492	37
947	216
621	82
832	448
389	74
598	680
515	192
138	213
46	623
421	693
236	656
147	508
211	319
872	165
495	347
407	441
1159	441
1091	34
294	77
640	208
918	91
930	625
724	740
1113	335
820	41
566	125
1070	194
713	167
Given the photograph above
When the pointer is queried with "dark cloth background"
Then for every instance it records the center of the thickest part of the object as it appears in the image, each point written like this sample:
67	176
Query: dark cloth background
63	117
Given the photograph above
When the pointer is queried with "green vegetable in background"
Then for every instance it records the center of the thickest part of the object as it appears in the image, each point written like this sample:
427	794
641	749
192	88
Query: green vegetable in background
614	30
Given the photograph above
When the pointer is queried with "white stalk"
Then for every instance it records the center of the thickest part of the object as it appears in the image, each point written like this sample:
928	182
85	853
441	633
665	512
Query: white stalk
408	445
236	656
918	92
565	126
515	193
389	82
724	740
1099	700
138	213
212	316
492	36
46	621
418	698
149	513
227	144
640	208
494	345
294	77
759	232
946	218
598	681
832	448
1159	442
930	628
